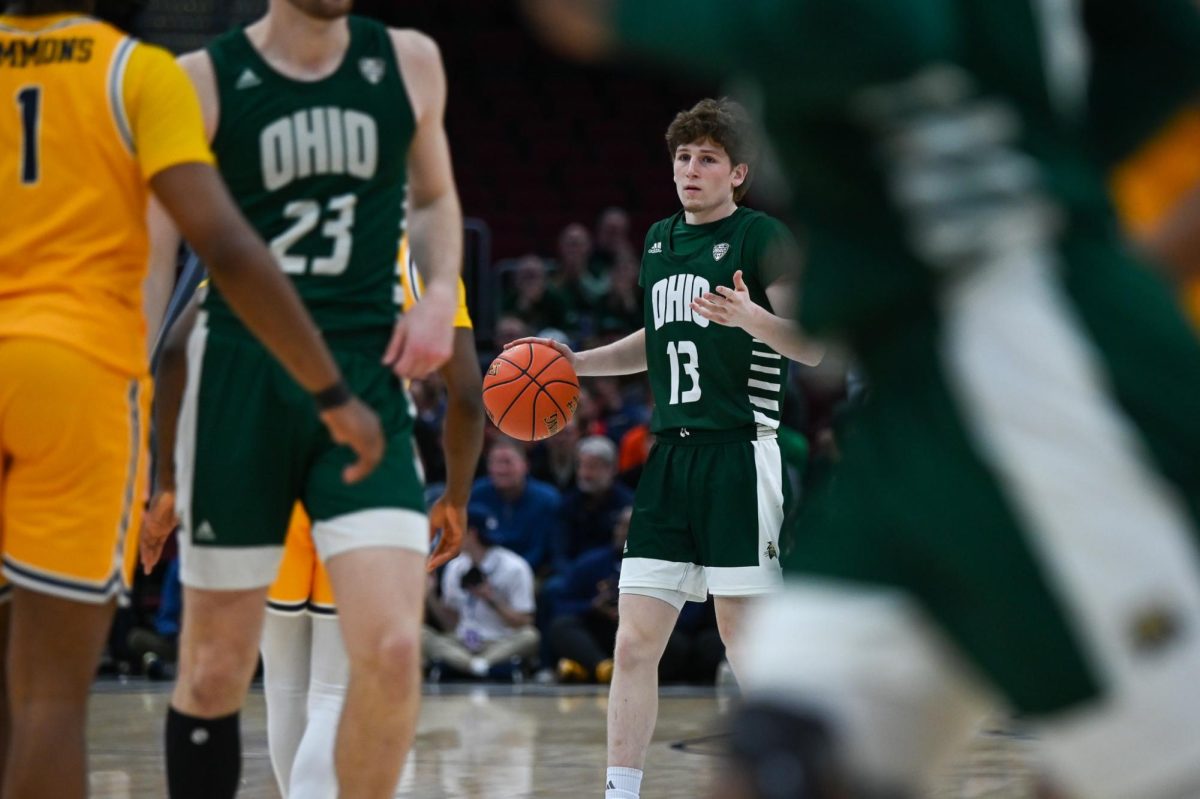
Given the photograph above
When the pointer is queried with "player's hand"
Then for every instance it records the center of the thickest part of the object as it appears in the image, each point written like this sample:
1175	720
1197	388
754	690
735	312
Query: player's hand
731	307
563	349
356	426
423	338
451	520
157	525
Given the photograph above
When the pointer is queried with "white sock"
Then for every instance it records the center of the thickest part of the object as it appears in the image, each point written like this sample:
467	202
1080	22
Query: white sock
622	783
314	775
286	644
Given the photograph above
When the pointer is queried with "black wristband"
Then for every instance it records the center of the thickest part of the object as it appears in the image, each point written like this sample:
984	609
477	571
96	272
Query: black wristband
335	396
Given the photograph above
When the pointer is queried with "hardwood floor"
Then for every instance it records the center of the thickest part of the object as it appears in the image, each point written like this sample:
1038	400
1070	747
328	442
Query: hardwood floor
501	742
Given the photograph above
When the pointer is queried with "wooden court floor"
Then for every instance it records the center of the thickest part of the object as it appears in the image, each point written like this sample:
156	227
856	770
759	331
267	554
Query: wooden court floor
498	742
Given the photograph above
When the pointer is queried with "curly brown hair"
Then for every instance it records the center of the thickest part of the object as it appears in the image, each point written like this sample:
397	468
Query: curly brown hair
724	122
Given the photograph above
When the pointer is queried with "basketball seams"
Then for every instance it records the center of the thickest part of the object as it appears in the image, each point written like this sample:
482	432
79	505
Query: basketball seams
533	380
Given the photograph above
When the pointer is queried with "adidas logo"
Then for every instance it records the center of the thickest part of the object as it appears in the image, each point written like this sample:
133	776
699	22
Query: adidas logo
205	532
247	80
656	248
610	786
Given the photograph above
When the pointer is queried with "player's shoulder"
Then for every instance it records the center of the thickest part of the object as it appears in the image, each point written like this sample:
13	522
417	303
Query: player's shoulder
417	48
198	65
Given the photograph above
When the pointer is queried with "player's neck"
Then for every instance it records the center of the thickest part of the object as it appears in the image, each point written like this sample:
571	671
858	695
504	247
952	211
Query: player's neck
298	45
714	214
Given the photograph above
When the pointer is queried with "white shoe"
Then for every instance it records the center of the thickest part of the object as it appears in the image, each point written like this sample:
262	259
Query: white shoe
479	667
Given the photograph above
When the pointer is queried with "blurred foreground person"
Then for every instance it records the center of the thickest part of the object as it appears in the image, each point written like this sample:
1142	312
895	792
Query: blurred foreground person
1014	519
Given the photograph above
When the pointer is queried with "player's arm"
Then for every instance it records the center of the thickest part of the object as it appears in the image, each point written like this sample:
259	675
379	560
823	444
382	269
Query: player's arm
462	442
423	339
164	235
168	128
625	356
169	382
733	307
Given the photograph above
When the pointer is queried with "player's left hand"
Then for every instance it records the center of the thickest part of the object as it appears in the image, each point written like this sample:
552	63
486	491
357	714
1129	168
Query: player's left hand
451	520
731	307
423	337
157	525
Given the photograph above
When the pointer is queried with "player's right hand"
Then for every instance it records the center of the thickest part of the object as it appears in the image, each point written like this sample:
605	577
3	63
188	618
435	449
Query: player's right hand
356	426
563	349
451	520
157	525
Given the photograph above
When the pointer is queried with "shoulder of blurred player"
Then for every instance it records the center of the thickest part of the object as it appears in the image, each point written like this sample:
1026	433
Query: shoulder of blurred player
421	64
199	68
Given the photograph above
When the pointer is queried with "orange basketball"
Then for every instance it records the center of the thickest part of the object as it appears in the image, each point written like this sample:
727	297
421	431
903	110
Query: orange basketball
530	392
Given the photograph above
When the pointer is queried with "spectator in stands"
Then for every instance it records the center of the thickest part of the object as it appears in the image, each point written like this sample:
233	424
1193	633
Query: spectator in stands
536	302
486	603
574	280
526	510
620	310
621	409
510	328
593	506
553	460
612	238
583	632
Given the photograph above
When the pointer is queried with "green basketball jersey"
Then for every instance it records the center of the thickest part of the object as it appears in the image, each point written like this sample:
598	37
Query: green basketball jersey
319	169
707	376
922	137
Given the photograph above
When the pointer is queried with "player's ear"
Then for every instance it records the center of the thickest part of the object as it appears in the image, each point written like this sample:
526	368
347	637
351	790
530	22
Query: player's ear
740	171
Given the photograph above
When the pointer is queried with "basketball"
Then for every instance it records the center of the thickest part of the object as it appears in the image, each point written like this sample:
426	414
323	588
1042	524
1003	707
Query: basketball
530	391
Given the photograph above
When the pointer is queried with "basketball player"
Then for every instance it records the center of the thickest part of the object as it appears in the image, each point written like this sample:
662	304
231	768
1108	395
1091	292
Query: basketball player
319	121
94	120
305	669
1015	516
709	504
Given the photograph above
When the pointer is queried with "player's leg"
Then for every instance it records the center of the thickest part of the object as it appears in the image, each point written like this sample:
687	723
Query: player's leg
71	475
286	652
645	625
287	648
314	774
48	696
738	528
218	652
658	575
373	537
380	592
242	427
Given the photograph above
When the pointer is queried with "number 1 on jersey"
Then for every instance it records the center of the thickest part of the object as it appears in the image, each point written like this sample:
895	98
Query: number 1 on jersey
678	352
29	98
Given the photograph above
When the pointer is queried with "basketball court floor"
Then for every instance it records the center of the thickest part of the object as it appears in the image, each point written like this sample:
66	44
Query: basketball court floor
500	742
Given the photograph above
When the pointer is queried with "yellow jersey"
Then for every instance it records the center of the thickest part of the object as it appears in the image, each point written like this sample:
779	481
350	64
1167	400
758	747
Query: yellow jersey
410	285
93	115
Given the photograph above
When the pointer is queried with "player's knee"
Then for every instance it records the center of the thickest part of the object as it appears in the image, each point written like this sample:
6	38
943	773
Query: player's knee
636	649
213	680
393	657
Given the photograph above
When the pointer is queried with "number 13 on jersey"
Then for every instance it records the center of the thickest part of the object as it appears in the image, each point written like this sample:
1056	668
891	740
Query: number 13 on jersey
686	360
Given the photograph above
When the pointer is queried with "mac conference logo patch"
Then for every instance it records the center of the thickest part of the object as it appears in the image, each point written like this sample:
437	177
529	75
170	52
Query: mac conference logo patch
372	69
719	250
